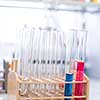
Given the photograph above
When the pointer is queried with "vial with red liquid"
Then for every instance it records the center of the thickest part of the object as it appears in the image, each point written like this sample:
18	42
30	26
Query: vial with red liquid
79	87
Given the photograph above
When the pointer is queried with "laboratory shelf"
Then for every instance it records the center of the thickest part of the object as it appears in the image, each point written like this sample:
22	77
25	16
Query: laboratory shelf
57	5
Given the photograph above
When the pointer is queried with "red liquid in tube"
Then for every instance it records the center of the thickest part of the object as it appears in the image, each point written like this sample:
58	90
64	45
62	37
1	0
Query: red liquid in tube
79	77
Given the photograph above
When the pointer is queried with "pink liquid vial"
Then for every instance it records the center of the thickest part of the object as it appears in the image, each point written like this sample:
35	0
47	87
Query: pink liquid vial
79	77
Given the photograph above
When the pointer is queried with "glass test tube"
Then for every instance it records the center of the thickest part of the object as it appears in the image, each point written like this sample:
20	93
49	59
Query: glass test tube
79	87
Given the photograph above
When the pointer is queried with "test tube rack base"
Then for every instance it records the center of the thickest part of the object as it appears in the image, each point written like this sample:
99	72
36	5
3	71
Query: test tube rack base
54	93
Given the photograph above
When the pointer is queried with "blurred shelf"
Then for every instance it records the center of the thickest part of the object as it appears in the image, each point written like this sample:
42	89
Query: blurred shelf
2	80
1	71
2	91
58	5
77	6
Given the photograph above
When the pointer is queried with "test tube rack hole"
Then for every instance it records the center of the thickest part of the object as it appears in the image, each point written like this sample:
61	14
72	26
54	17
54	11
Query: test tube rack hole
14	82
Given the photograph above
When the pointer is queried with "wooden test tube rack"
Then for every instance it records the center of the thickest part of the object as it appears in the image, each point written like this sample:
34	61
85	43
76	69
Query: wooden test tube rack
14	81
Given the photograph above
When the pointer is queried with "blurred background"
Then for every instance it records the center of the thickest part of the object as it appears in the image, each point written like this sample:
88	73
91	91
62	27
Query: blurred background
78	14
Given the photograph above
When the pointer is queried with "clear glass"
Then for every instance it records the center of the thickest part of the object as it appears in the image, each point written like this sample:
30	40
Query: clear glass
81	43
42	57
71	48
75	48
63	55
25	57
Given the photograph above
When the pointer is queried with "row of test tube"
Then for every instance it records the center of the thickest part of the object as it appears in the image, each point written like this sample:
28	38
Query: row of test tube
49	53
43	53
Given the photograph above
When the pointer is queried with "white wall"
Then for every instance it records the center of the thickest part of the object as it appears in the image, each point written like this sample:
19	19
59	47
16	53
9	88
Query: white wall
93	44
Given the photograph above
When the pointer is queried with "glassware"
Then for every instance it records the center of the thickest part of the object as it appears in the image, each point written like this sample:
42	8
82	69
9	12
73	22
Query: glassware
81	43
43	55
63	54
75	48
44	60
26	52
25	59
49	52
70	50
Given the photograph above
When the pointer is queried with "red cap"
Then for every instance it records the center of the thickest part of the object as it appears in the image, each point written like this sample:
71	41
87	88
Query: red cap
80	66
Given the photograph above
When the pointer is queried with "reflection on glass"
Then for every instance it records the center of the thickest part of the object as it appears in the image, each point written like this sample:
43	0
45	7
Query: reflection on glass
75	47
44	54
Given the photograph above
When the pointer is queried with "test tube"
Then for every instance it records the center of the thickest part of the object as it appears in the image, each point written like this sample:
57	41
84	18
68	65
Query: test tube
40	51
41	57
21	65
46	44
43	51
48	52
81	43
31	86
69	48
44	65
79	77
35	54
69	75
62	53
26	56
53	52
58	53
63	59
68	87
27	52
53	58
